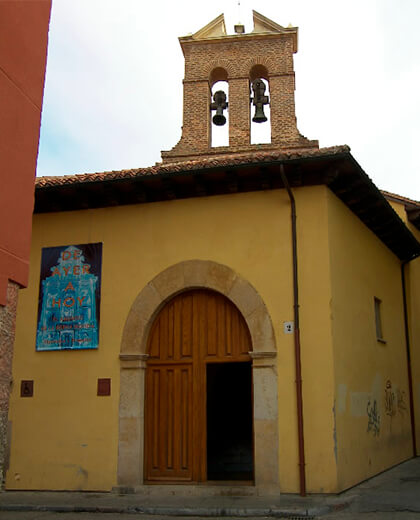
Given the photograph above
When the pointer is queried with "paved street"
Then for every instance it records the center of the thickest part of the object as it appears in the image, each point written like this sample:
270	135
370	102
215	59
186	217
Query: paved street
33	515
395	494
49	515
36	515
392	495
349	515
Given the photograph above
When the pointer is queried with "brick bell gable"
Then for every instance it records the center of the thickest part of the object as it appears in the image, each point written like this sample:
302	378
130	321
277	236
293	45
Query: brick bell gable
211	55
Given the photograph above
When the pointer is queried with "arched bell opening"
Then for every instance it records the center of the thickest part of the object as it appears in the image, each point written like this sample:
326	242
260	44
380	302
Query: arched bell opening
219	107
258	71
218	74
260	105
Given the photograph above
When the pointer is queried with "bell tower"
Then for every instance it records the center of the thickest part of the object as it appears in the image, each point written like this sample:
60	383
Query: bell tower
247	62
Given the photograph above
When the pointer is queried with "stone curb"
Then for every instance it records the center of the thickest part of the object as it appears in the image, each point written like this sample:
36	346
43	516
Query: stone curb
182	511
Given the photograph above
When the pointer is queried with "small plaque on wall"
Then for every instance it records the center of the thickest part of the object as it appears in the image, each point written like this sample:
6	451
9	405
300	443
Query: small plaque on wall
104	386
69	297
27	388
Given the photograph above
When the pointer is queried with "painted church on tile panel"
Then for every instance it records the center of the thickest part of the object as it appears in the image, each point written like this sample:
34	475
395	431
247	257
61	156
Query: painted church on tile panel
240	316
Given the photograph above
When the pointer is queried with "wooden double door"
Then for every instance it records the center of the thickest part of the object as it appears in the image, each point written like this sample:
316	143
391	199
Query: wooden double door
198	410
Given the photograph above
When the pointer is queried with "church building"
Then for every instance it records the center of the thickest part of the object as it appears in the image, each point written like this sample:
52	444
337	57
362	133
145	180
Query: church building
236	319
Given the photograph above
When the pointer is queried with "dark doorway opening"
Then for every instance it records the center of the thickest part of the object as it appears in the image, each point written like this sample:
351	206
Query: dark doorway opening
229	421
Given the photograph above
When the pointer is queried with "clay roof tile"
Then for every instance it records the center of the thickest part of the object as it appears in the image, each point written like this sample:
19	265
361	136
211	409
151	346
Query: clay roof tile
195	164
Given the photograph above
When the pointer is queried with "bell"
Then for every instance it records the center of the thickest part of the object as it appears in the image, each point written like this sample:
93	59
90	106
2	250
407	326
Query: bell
259	116
259	100
219	119
219	105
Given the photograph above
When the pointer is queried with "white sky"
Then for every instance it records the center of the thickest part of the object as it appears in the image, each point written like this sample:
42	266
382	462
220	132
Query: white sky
113	94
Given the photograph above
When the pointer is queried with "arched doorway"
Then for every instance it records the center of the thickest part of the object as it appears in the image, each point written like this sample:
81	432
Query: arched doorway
174	280
198	395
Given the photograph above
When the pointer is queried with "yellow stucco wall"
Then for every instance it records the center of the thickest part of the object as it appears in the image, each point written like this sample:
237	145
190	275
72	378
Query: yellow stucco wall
372	398
316	338
65	437
413	298
413	292
412	274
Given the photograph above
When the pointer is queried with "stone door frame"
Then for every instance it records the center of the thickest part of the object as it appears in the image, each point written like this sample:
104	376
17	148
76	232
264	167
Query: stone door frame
193	274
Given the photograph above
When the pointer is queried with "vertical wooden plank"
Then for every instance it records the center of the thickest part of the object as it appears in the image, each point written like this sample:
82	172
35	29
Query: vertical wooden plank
221	328
177	329
184	424
200	315
175	426
185	420
202	446
228	330
155	417
163	334
170	399
148	455
196	397
211	319
163	421
170	331
200	416
187	325
235	332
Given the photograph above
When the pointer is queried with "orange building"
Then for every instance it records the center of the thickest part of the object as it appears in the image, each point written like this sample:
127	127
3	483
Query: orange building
23	54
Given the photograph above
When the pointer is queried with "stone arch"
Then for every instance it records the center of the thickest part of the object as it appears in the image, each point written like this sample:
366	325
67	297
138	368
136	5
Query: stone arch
218	64
133	355
258	71
189	275
218	74
259	62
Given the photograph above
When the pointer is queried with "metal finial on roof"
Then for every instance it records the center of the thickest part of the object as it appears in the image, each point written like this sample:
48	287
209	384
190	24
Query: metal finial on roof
239	27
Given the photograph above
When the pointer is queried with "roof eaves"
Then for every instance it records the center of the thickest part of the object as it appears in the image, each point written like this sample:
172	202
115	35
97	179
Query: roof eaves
184	167
384	215
336	166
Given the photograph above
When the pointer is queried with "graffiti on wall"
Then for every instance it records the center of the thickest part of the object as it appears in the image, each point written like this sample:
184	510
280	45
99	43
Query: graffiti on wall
393	405
69	297
390	404
374	419
394	400
401	405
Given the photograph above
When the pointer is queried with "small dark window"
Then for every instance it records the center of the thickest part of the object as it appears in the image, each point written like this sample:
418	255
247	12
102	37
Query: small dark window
378	320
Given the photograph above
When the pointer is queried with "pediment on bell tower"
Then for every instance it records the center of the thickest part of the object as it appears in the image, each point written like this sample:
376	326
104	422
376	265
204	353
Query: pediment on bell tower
263	25
215	29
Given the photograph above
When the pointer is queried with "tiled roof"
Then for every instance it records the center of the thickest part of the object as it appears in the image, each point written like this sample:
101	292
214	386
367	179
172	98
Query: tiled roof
221	161
400	198
235	173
